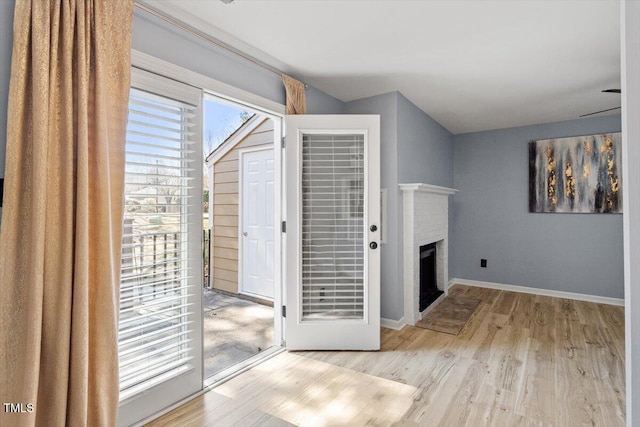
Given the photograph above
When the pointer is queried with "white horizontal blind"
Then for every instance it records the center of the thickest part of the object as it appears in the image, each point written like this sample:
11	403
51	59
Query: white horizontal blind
332	226
154	331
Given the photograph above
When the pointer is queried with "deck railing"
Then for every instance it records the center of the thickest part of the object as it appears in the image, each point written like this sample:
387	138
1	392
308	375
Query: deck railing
154	257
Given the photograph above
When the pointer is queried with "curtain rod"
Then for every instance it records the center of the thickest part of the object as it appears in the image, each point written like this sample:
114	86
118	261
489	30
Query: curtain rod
206	37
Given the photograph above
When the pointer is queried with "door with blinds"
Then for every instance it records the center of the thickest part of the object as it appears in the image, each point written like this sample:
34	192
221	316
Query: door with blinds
160	330
333	232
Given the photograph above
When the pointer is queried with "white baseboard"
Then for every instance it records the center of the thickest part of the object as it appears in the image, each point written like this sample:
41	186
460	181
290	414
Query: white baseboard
537	291
392	324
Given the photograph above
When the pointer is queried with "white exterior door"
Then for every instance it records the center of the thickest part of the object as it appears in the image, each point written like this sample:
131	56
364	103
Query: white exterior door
257	232
333	232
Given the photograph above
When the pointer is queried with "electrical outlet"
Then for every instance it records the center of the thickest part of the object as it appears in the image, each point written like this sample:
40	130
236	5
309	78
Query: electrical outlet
483	263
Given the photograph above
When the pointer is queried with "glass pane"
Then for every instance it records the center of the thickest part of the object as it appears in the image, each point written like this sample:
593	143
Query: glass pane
153	332
332	226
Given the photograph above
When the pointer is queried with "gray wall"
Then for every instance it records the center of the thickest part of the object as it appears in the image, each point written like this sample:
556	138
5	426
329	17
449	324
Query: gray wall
425	147
580	253
414	148
6	43
425	155
489	217
161	40
154	37
420	142
387	107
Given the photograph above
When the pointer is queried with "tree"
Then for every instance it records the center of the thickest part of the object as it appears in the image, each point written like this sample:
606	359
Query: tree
245	115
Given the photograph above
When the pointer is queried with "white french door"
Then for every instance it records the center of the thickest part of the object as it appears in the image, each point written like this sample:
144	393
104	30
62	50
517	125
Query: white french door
160	329
333	232
257	223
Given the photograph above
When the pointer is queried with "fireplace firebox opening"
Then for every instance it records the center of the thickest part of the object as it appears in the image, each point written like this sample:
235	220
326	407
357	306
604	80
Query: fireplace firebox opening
429	291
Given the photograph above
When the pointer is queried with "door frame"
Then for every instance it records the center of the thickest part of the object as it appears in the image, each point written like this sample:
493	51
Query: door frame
278	206
276	231
224	92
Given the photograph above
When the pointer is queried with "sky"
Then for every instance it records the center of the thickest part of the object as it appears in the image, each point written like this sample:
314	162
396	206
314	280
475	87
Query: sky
220	121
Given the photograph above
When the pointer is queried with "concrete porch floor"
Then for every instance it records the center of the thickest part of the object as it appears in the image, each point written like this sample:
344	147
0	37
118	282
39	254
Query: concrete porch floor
234	330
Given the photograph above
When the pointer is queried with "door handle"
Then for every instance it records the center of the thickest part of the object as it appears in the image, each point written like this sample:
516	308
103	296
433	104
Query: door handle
373	245
373	227
244	233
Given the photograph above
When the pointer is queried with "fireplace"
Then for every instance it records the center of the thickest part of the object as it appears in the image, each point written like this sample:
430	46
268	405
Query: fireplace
429	291
425	230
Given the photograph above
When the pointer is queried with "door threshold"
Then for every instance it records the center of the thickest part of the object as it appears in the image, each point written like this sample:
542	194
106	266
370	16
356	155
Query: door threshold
260	299
245	296
240	367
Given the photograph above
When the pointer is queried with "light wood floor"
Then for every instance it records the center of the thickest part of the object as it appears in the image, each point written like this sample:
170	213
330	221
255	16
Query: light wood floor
521	360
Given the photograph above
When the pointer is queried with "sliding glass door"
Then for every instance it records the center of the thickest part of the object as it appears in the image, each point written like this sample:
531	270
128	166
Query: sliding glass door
160	330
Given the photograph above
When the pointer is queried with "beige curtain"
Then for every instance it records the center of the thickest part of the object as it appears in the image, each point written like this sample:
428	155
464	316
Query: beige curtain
296	98
60	238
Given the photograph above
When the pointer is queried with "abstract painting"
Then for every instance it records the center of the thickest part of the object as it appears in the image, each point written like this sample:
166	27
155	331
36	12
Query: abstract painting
576	175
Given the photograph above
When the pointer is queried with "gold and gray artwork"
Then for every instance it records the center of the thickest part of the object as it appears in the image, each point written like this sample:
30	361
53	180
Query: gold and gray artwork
576	175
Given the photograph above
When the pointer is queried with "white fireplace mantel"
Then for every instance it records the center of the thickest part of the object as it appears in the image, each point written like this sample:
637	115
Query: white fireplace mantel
426	188
425	221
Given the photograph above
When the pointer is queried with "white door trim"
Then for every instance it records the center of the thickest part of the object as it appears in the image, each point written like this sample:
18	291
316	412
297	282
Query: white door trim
630	68
209	85
241	153
212	184
278	241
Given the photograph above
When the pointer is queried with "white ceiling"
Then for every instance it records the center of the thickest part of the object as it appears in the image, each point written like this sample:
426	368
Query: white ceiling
470	65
